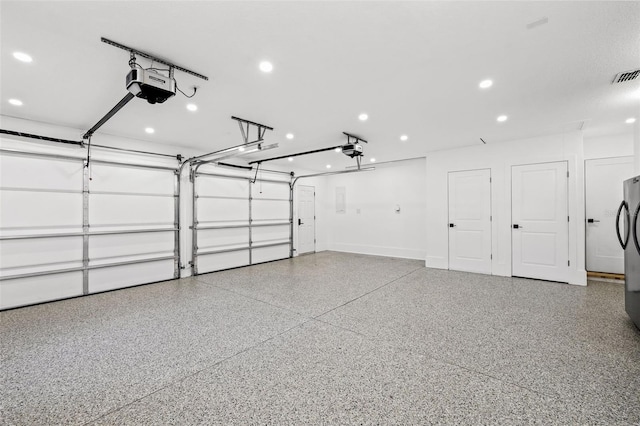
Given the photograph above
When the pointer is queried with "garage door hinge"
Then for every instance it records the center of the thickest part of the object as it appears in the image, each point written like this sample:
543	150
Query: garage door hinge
567	218
568	263
489	180
567	174
491	256
490	218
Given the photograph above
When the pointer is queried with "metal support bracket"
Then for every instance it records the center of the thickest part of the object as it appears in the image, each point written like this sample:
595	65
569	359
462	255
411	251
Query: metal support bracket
260	128
133	51
353	138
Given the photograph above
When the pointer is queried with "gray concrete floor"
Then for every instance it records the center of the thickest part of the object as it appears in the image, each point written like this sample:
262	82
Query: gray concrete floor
328	338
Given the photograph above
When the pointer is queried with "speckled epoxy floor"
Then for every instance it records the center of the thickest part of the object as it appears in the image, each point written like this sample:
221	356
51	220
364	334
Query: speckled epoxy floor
329	338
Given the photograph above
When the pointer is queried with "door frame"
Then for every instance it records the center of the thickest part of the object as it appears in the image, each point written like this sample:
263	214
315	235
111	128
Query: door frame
297	216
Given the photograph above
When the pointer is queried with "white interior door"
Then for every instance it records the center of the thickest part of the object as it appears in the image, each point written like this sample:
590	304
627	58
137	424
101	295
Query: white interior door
470	221
604	179
540	230
306	219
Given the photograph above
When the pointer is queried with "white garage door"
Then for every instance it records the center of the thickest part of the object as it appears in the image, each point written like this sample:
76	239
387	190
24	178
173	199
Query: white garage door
239	220
132	225
65	232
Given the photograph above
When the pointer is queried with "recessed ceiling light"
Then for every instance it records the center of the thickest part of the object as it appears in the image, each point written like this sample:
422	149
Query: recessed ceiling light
192	107
363	117
338	149
266	66
630	120
501	118
290	158
241	149
373	160
404	138
23	57
149	130
485	84
16	102
289	135
328	166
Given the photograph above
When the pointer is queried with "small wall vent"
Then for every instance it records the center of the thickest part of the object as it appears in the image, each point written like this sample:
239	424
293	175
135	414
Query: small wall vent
626	76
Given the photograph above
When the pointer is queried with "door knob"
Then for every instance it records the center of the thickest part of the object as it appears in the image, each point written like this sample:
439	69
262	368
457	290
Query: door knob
451	225
592	220
516	226
299	222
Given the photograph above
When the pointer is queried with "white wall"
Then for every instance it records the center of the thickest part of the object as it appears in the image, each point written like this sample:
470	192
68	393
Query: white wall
499	158
620	145
370	224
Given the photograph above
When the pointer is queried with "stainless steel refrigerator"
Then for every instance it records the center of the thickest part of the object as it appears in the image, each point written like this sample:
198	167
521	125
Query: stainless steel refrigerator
630	210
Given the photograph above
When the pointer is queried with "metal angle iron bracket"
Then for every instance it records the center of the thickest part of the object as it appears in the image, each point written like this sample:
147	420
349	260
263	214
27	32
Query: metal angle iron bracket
154	58
356	139
261	129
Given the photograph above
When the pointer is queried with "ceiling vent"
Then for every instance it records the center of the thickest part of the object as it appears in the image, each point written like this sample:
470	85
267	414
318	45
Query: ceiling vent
626	76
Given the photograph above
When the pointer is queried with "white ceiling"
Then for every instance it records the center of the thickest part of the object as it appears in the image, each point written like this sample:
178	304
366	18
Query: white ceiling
414	67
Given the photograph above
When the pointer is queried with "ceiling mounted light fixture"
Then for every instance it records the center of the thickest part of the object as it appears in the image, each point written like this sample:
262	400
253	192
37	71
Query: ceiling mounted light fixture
373	160
501	118
328	166
338	149
192	107
22	57
289	135
630	120
266	66
290	158
363	117
150	130
485	84
16	102
404	138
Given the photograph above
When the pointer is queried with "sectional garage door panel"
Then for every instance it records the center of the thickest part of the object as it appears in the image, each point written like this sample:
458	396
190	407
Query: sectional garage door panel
115	277
269	210
105	248
34	255
216	210
221	261
225	238
27	291
270	234
134	180
106	210
31	210
268	254
270	190
220	186
21	171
